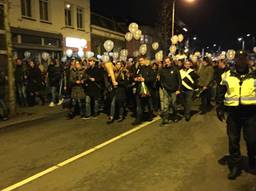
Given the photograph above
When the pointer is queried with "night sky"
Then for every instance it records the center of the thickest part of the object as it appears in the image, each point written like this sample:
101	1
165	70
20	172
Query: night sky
213	21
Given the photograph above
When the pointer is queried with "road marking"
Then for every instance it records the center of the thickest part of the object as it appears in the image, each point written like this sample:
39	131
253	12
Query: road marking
79	156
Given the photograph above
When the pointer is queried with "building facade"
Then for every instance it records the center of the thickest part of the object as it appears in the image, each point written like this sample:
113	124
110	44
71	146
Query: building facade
102	29
51	26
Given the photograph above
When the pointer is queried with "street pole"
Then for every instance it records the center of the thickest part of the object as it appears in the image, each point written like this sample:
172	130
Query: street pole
173	16
243	45
11	86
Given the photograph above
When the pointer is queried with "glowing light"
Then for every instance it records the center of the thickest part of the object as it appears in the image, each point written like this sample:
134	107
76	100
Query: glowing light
76	42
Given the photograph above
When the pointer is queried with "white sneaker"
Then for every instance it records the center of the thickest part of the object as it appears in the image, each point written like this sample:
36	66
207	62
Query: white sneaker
51	104
61	101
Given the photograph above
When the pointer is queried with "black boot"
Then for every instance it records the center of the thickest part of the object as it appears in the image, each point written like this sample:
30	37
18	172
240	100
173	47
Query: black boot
235	171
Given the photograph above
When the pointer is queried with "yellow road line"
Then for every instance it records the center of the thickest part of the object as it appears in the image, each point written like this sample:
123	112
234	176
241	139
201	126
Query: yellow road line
79	156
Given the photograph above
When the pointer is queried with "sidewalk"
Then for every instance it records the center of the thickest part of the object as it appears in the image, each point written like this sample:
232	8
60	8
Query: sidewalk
30	114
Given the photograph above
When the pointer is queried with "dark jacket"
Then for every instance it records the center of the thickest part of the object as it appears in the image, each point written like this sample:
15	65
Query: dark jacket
148	74
77	90
35	80
121	89
20	74
94	88
54	75
170	79
206	75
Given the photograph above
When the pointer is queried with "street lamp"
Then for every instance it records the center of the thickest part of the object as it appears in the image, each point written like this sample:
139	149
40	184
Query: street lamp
185	29
240	39
173	13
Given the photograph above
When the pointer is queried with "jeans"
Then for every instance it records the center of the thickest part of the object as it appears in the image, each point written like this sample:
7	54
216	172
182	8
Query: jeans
55	93
88	106
4	107
81	107
22	94
187	102
116	104
169	104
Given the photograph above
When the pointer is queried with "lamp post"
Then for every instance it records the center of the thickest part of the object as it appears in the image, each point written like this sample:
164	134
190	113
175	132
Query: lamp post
243	42
173	13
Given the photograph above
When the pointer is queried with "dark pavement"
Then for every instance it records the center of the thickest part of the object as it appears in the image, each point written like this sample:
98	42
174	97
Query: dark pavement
178	157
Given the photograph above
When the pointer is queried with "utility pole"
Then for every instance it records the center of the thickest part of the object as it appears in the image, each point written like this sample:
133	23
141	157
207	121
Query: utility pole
11	84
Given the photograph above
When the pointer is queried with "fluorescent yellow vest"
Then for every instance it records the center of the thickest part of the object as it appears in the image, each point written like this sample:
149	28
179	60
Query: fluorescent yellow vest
239	92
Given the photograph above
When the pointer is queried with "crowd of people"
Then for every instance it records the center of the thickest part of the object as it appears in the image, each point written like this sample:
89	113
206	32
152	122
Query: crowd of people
144	87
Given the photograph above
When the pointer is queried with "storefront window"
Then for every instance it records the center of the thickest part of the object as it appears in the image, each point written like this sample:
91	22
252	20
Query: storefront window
28	39
51	42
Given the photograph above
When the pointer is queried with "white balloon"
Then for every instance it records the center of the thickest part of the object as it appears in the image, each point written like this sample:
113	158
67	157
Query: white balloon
159	56
105	58
174	39
173	49
115	55
137	35
136	53
45	56
128	36
254	49
27	54
155	45
124	53
133	27
64	59
89	54
69	52
143	49
231	54
180	37
80	53
108	45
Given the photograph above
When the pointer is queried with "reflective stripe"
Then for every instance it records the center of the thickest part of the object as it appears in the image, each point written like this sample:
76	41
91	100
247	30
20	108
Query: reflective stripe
231	99
248	98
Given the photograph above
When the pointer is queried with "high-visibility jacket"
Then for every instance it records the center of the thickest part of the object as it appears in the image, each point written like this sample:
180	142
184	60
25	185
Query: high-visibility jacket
187	80
241	90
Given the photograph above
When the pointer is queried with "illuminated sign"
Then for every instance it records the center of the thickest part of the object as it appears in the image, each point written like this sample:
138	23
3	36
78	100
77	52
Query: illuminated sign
76	42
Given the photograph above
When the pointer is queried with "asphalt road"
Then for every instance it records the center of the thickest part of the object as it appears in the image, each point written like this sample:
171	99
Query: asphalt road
178	157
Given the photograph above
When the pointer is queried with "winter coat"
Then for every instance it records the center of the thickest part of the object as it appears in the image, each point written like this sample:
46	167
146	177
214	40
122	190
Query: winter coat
54	75
121	89
149	78
20	74
170	79
35	80
206	74
94	88
77	90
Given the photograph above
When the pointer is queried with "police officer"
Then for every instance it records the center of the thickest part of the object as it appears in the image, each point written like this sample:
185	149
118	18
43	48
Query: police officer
237	96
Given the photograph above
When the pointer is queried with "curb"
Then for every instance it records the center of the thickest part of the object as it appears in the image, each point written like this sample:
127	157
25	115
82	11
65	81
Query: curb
29	119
